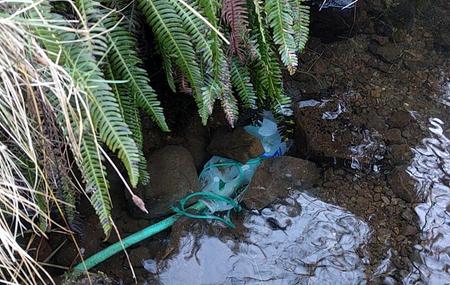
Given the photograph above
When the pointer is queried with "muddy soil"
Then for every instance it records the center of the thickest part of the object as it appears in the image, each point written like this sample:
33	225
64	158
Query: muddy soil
363	107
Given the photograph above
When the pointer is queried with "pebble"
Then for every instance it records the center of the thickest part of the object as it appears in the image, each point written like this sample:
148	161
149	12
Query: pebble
385	200
408	215
410	230
378	189
377	197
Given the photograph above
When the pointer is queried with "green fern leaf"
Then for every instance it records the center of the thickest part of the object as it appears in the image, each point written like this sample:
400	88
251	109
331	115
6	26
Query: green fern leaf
170	33
130	113
281	22
126	63
300	15
94	174
240	77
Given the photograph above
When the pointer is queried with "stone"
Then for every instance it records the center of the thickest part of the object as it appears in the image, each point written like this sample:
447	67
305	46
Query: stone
399	119
172	177
400	154
322	138
138	255
393	136
237	144
196	141
410	230
388	53
402	185
98	278
43	248
375	122
276	177
408	215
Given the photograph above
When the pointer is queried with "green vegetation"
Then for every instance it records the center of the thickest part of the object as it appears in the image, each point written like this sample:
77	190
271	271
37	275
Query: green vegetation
73	82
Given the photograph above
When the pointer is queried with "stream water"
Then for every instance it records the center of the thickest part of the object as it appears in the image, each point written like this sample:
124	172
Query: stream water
430	167
304	240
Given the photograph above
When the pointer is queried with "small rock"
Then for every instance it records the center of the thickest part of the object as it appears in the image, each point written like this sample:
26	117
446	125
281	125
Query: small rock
402	184
98	278
238	145
408	215
172	177
385	200
401	154
196	141
393	136
410	230
389	53
377	197
376	93
399	119
138	255
276	176
378	189
326	132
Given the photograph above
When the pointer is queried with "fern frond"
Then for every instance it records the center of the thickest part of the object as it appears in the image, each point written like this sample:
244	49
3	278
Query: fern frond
268	74
94	174
126	64
130	113
259	22
300	14
130	12
170	33
104	110
281	22
90	15
127	105
168	70
235	14
240	77
230	108
220	82
77	57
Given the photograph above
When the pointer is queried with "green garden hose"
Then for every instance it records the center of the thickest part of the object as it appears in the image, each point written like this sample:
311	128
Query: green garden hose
180	211
149	231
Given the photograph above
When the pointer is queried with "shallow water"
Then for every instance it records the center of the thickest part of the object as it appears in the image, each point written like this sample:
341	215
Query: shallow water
301	241
430	167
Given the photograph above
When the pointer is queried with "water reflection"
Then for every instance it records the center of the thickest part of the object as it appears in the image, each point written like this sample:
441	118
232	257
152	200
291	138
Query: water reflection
431	169
302	241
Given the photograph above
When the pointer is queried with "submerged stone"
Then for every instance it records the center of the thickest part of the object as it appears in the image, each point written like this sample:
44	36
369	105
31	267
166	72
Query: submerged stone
276	177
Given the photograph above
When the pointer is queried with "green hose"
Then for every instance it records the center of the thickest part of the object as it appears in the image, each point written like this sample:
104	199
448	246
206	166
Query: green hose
149	231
